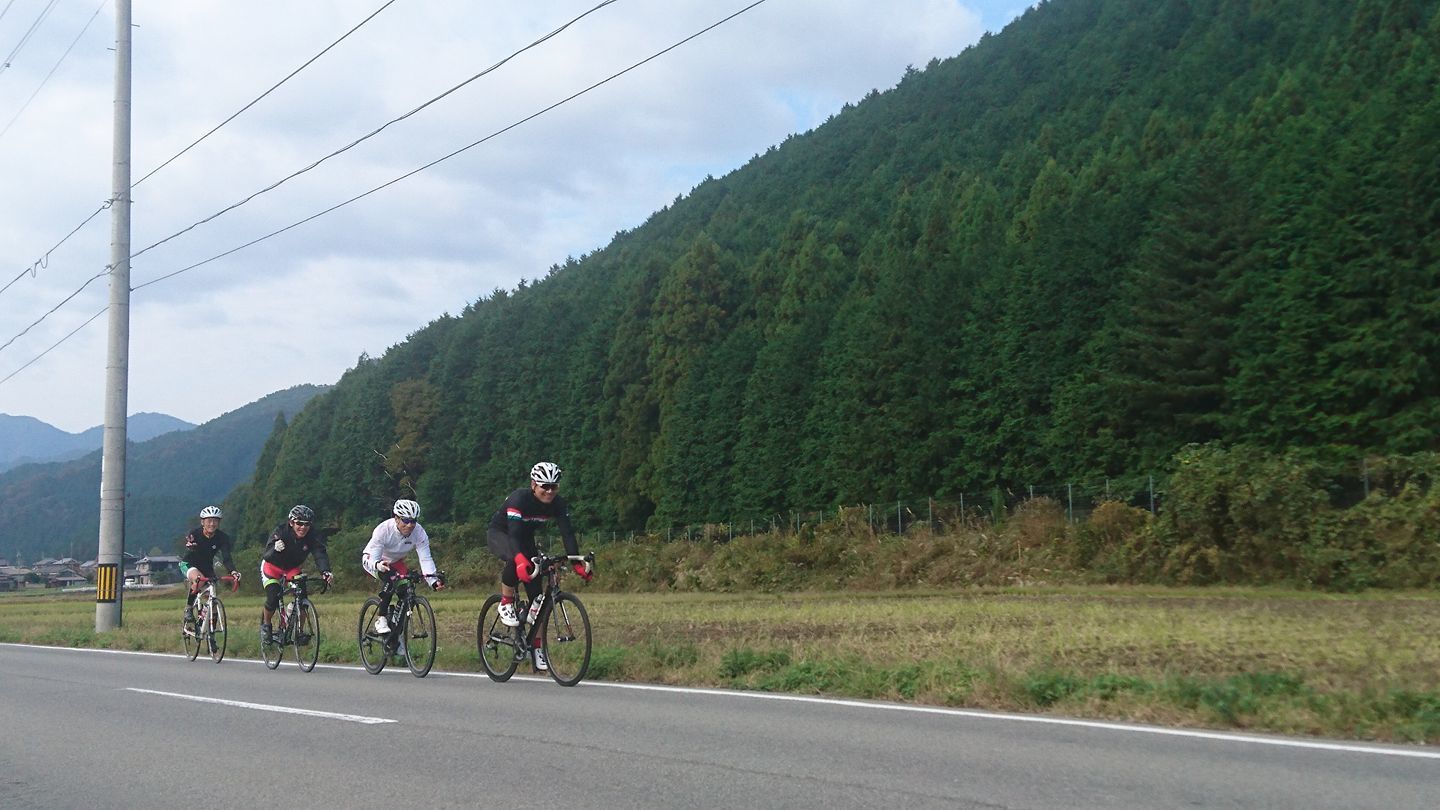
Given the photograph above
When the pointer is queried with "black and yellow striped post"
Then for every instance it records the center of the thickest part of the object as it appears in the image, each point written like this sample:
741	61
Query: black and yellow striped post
107	582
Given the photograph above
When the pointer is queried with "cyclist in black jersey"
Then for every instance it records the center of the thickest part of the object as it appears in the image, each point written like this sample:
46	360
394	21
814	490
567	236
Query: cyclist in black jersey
511	538
198	555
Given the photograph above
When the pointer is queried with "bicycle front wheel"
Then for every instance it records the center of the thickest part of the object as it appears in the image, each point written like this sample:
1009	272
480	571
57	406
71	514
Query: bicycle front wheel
421	641
272	649
306	635
566	639
218	630
496	642
372	644
190	634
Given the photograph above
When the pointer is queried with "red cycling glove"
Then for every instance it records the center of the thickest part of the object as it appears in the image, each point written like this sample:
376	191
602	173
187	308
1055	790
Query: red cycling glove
583	571
522	568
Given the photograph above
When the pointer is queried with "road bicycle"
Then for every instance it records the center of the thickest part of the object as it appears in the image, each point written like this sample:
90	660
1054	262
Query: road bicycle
208	627
560	627
297	625
412	635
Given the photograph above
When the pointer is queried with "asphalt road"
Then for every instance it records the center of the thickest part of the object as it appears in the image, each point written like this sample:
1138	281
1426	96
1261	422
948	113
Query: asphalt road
86	728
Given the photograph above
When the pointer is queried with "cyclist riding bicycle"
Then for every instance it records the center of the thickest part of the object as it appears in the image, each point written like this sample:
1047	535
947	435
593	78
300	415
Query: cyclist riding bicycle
285	551
384	556
198	560
511	537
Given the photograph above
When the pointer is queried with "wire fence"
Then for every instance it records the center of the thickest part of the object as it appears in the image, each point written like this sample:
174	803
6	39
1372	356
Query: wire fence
1347	484
902	516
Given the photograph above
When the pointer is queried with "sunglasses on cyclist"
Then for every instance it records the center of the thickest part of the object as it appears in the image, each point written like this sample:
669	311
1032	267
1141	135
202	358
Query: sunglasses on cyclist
408	521
549	487
300	523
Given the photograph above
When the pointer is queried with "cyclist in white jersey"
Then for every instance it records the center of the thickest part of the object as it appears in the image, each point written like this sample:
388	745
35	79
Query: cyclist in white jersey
384	556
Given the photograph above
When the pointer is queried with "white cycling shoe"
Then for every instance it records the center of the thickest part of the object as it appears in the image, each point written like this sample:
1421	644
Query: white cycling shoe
540	662
381	625
507	614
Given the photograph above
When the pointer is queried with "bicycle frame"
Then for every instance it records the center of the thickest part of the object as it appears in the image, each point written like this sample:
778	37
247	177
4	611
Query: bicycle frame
502	649
206	624
294	598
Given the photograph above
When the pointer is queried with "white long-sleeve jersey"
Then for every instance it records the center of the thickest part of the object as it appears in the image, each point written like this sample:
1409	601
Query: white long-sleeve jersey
387	543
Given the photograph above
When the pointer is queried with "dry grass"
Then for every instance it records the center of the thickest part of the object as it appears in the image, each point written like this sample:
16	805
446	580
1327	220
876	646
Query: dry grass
1357	666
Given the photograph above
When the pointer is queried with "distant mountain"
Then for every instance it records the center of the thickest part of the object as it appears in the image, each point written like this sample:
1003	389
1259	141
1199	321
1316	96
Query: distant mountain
168	479
27	440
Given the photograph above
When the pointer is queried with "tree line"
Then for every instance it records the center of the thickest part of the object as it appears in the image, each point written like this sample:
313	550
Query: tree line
1114	231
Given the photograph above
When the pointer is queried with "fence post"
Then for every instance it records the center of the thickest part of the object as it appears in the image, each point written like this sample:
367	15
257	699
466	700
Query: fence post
1107	487
899	519
1365	475
930	512
1152	494
1032	492
1070	503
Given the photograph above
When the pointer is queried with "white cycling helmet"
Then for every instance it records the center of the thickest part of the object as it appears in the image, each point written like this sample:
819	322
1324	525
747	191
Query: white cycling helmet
210	511
408	510
545	473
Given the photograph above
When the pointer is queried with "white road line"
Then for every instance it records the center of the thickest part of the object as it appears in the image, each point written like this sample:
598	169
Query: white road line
351	718
1283	742
1024	718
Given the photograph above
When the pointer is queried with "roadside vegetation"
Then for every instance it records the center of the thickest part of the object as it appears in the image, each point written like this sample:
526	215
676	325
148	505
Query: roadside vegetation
1000	617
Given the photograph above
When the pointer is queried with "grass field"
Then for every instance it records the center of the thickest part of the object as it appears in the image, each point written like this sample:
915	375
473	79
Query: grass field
1363	666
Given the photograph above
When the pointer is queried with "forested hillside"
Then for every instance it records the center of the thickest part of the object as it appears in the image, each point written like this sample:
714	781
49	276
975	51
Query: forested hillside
1116	228
54	509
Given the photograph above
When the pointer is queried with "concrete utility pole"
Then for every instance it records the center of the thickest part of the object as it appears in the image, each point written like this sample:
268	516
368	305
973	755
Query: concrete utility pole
110	560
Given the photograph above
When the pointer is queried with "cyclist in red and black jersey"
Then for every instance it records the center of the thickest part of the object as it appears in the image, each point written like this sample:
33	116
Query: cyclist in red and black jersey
511	537
286	549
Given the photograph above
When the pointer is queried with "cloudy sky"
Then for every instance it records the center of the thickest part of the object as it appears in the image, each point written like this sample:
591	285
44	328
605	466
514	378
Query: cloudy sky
302	306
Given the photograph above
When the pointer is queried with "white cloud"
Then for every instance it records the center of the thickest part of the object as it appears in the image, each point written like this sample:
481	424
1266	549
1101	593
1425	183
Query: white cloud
364	277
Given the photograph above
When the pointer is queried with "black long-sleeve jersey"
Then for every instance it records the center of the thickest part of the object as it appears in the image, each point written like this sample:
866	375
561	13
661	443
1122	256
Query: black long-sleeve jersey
523	513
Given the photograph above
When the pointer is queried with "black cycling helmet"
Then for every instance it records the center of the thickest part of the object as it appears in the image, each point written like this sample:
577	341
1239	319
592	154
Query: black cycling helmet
302	514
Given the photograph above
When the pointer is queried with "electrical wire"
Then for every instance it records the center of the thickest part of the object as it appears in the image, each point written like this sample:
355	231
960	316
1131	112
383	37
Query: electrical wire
257	99
44	260
444	158
37	357
44	81
380	187
368	135
67	299
38	20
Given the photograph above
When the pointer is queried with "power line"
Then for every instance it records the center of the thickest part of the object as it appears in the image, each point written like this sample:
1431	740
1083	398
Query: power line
44	81
44	260
257	99
444	158
40	263
382	186
37	357
370	134
67	299
38	20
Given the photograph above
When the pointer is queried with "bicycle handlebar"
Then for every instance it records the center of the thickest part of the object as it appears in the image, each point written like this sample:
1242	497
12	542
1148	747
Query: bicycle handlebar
543	561
234	583
305	580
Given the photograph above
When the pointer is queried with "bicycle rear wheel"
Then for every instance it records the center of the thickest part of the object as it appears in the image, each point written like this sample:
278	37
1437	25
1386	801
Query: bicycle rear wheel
306	632
567	639
496	642
372	644
218	630
421	640
190	634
